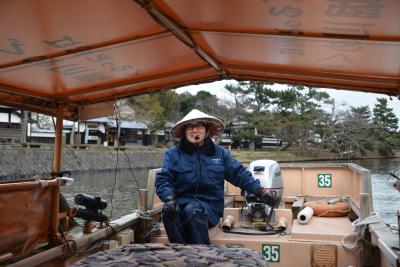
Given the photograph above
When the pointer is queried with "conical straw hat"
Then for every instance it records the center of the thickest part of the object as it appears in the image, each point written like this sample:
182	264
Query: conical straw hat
215	124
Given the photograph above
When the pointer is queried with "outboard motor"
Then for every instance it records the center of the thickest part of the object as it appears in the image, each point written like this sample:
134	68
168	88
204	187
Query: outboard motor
269	174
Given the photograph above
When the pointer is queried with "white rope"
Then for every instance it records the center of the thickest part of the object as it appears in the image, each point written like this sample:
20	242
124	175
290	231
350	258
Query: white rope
374	218
44	183
359	227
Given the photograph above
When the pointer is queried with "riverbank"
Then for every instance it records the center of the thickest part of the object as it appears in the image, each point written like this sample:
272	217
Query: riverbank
17	162
25	161
246	156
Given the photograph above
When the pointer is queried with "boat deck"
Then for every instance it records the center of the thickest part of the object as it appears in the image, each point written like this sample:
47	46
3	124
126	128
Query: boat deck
319	233
322	229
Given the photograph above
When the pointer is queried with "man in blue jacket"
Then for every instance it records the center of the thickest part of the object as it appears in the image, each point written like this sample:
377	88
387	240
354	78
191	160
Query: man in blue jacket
191	180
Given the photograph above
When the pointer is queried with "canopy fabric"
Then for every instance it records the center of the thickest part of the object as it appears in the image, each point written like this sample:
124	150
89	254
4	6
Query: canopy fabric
78	53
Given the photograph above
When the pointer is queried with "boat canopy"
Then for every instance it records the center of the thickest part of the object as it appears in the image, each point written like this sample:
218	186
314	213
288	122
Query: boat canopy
82	55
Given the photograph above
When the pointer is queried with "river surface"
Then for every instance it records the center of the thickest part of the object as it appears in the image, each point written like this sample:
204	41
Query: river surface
124	196
386	199
119	189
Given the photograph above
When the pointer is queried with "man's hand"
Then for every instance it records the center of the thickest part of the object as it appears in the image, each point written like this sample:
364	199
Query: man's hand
170	206
267	196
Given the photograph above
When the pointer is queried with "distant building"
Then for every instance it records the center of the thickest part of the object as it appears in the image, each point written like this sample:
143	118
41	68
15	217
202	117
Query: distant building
100	131
269	141
259	141
225	140
93	132
132	132
37	134
103	131
10	124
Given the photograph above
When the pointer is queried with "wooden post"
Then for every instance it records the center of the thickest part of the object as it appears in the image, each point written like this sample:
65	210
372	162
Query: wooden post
57	170
58	140
72	136
24	126
142	200
151	179
55	208
398	223
365	208
366	250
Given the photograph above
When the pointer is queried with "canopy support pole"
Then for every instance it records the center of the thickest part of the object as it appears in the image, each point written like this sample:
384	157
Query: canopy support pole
58	141
57	173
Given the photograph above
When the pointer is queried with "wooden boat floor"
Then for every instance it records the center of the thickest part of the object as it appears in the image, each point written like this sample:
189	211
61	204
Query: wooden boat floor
322	229
320	232
301	239
318	229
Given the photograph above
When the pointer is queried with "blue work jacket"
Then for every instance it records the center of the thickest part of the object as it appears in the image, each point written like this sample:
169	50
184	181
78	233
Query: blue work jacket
199	176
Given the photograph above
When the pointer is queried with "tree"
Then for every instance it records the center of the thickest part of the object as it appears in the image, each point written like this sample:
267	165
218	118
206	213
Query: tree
245	133
384	117
206	102
259	95
185	103
349	135
169	101
363	113
386	124
252	100
236	109
299	111
148	107
155	126
240	99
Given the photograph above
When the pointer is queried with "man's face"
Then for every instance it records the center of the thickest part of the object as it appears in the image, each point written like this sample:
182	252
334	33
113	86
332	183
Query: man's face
195	133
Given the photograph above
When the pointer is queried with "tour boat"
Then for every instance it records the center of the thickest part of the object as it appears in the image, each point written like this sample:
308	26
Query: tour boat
75	59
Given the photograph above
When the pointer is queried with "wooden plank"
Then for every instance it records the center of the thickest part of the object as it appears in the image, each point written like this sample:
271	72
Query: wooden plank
151	179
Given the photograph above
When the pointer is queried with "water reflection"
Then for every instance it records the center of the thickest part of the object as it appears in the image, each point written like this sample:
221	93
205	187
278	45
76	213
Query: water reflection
385	198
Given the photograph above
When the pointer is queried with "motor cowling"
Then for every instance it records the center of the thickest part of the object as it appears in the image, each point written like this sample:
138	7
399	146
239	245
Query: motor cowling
269	174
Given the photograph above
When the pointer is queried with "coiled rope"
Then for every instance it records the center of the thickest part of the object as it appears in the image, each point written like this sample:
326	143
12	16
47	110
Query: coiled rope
359	228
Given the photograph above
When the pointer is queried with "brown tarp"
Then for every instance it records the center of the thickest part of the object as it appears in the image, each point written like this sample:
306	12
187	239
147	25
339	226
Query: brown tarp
26	215
81	52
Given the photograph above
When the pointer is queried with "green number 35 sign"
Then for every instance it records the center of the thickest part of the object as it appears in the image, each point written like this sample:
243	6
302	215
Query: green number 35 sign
324	180
271	252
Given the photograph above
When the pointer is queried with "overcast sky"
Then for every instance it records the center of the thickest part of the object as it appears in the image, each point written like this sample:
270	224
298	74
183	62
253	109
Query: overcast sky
350	98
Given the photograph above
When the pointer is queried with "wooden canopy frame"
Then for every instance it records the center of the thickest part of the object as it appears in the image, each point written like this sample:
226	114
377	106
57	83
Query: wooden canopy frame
76	54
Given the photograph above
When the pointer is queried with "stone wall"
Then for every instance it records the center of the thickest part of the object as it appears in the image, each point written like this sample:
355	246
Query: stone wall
25	162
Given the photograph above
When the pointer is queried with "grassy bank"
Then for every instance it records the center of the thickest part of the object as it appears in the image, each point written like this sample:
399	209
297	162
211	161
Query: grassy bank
246	156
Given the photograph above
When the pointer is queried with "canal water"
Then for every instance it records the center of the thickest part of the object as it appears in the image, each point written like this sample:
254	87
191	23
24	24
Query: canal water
122	188
386	199
119	189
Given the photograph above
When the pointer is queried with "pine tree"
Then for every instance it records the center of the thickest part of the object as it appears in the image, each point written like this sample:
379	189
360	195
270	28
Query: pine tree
384	116
363	113
386	124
